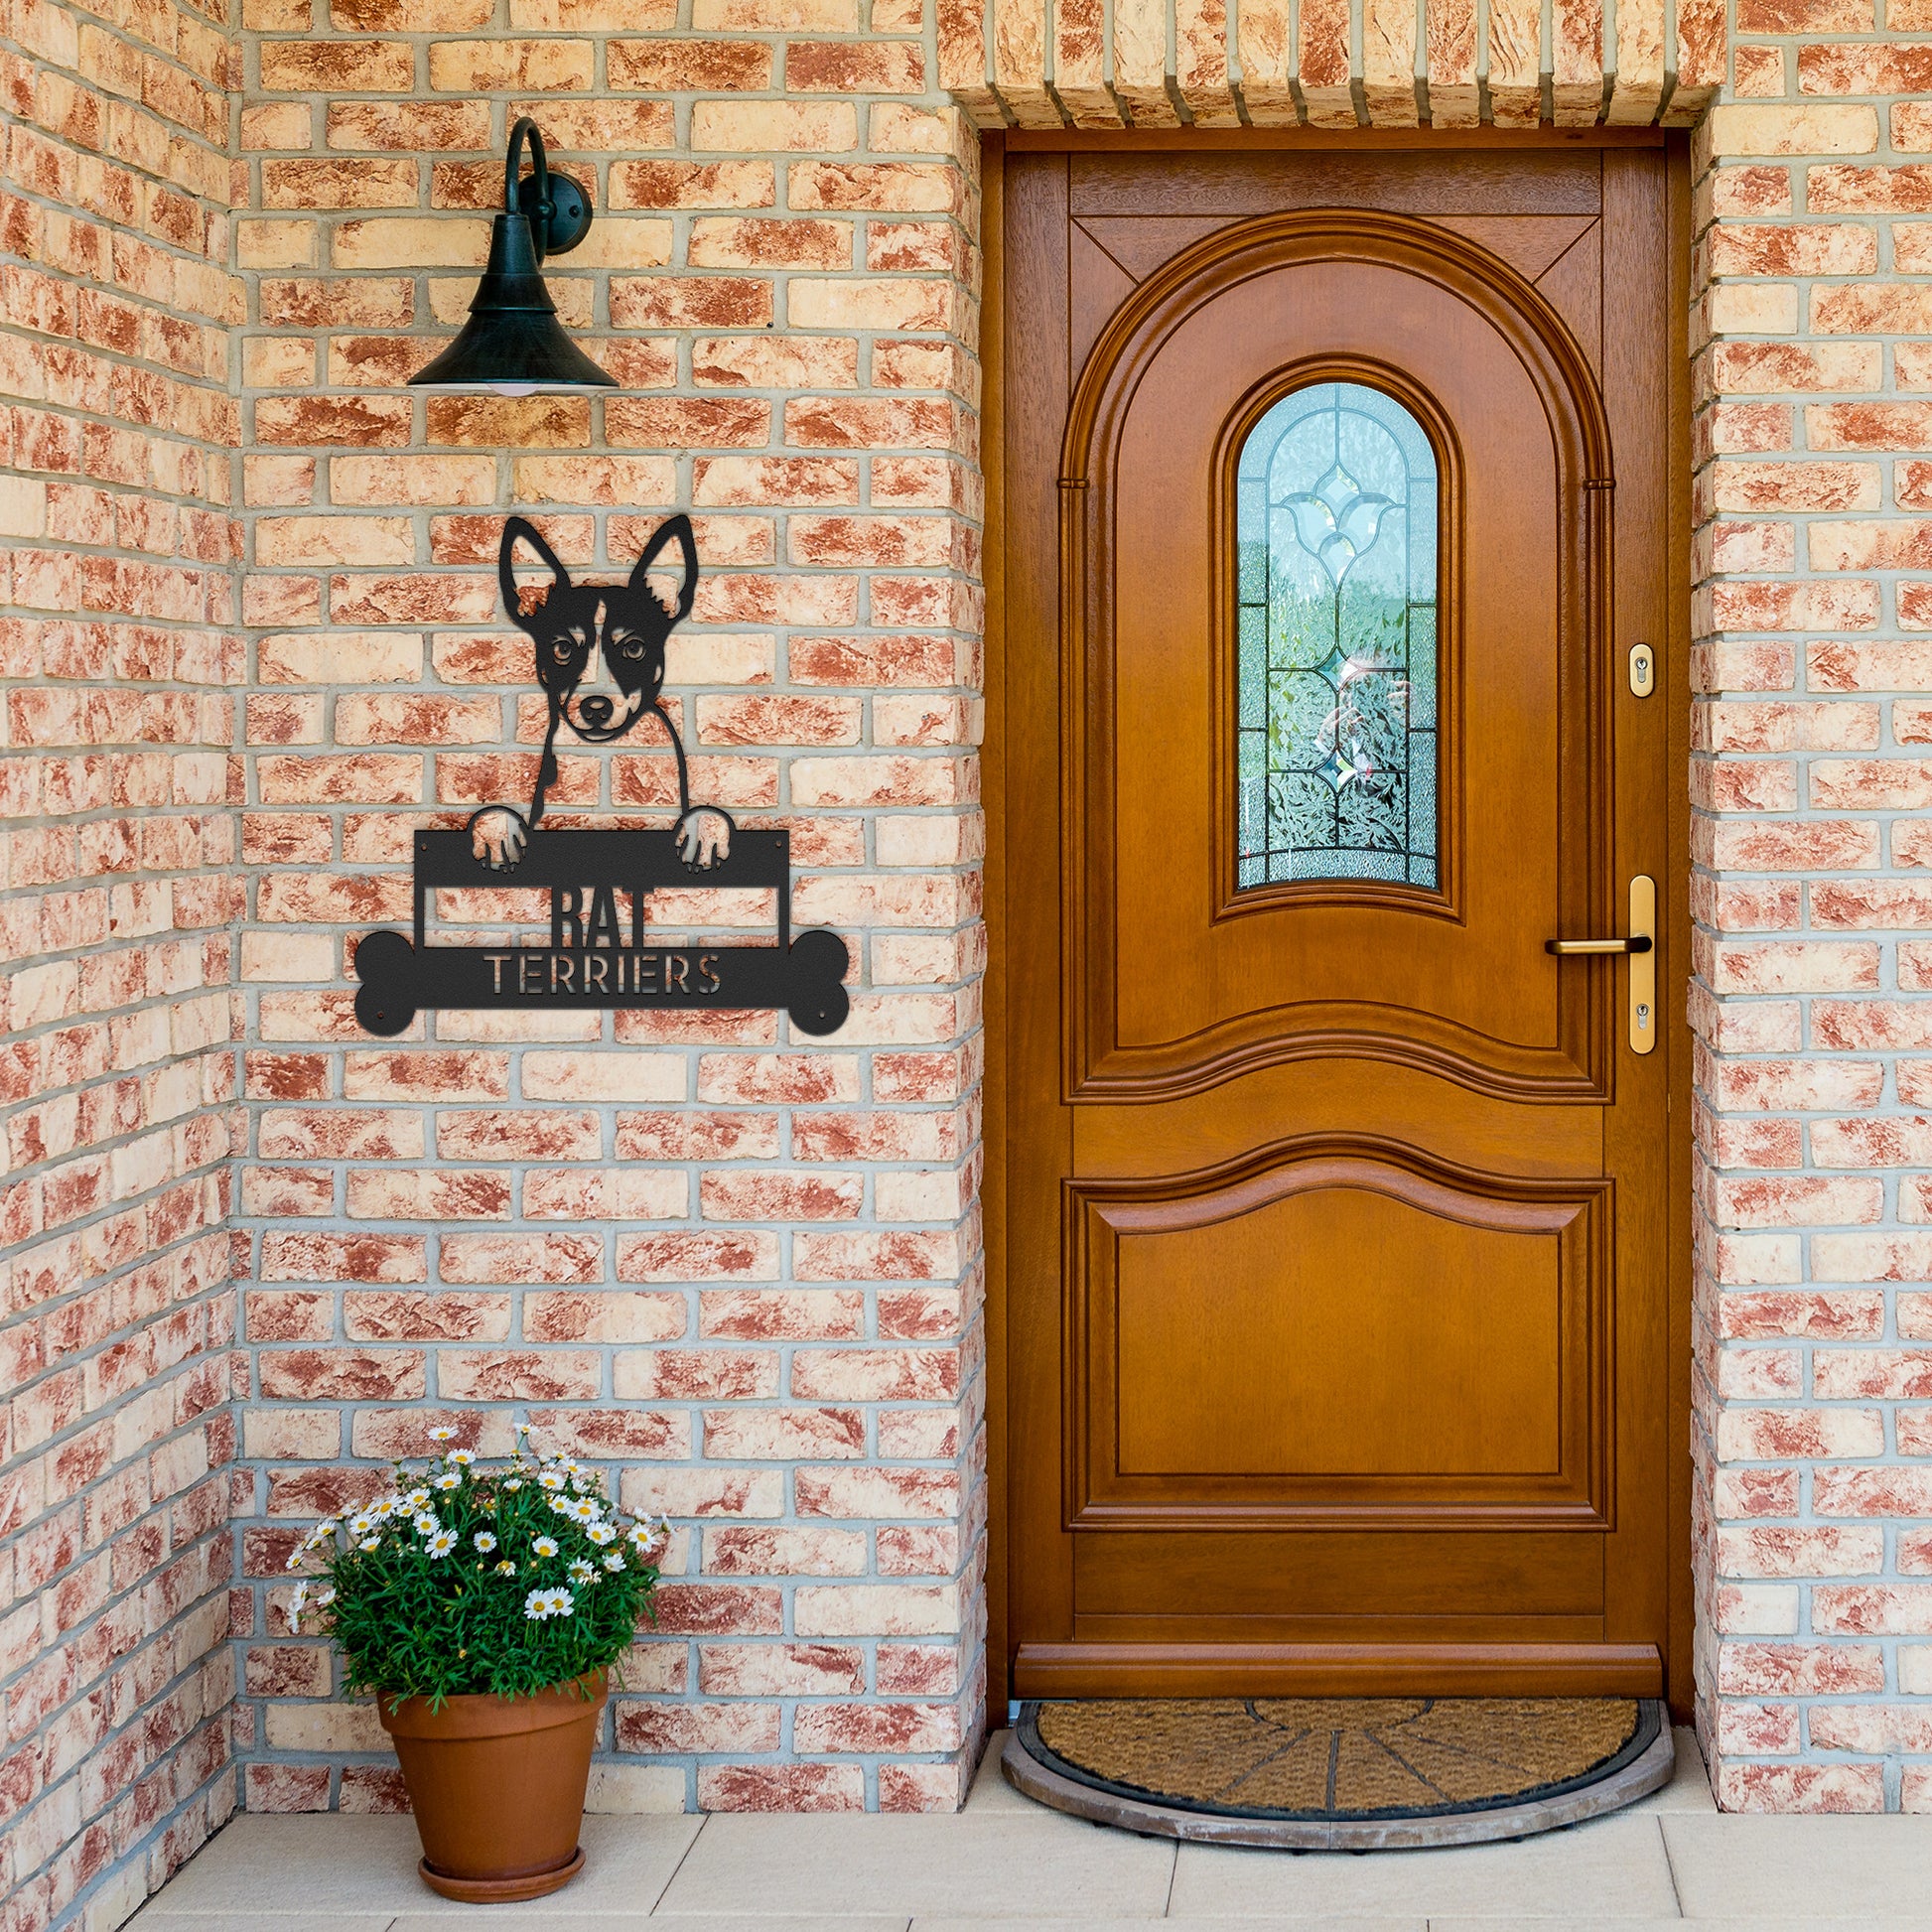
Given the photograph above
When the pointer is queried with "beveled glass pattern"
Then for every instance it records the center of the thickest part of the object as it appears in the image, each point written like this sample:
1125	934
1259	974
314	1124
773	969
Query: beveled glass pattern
1335	528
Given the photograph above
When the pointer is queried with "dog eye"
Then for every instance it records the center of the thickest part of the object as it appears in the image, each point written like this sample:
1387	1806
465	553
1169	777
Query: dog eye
632	648
561	651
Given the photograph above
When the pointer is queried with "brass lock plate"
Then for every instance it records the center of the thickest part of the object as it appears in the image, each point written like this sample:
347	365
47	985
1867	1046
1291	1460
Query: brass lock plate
1643	965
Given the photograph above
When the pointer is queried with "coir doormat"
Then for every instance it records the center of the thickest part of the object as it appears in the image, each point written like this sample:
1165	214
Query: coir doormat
1340	1773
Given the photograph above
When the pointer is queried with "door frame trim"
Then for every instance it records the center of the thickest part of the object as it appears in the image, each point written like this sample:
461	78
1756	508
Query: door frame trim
1264	140
1544	1673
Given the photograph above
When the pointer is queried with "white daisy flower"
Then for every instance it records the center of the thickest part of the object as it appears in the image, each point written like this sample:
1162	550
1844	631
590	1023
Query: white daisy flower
600	1533
426	1523
582	1573
295	1559
584	1510
485	1541
506	1568
537	1606
361	1523
416	1498
326	1596
441	1434
545	1546
551	1479
450	1479
460	1457
442	1543
370	1543
515	1482
613	1561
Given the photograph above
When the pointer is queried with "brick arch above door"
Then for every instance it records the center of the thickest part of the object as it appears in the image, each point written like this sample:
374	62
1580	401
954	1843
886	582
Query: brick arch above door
1110	63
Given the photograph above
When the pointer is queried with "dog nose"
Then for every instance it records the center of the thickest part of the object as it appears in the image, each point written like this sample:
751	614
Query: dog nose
597	710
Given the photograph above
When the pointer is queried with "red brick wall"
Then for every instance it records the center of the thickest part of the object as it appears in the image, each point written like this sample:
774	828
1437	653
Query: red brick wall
1810	786
738	1267
121	670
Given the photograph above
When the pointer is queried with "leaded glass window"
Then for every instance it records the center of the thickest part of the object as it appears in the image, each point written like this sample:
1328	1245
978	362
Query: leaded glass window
1335	511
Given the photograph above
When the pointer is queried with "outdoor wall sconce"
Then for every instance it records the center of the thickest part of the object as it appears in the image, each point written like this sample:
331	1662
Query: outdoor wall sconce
512	343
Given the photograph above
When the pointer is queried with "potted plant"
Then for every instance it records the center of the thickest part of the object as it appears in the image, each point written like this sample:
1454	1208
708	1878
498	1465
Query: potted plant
486	1608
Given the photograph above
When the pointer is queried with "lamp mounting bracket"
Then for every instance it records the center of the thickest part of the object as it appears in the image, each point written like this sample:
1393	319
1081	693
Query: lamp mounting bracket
569	219
558	210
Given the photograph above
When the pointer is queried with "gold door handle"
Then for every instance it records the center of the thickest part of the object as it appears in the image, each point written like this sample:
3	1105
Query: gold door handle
1641	946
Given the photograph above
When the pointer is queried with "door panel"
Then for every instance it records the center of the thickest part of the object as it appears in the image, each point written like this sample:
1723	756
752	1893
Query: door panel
1280	1355
1337	1284
1219	1382
1256	1378
1456	977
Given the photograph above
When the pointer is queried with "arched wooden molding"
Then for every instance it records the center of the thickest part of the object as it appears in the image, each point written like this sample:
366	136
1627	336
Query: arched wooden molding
1101	63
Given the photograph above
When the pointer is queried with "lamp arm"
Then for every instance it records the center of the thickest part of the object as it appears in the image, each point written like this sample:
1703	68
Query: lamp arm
513	195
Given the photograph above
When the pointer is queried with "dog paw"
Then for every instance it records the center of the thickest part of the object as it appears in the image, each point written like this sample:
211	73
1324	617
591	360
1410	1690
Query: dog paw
704	838
497	837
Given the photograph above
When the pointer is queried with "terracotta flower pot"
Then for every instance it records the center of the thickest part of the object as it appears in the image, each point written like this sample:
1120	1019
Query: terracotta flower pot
497	1787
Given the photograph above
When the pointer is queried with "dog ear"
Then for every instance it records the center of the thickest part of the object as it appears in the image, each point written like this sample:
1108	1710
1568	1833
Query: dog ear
676	528
516	531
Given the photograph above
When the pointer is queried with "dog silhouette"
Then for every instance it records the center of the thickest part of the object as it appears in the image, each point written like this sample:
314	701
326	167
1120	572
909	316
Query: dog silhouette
599	658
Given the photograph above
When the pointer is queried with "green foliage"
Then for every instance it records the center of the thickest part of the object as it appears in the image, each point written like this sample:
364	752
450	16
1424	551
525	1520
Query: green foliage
510	1579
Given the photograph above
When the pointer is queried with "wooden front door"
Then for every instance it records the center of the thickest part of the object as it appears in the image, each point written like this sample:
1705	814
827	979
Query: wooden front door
1341	1348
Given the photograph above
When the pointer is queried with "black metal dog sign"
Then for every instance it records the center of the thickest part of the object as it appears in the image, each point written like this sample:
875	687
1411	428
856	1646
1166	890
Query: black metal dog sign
600	661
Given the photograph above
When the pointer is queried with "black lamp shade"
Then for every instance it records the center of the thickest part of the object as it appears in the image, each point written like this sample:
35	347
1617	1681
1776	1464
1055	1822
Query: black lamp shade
514	343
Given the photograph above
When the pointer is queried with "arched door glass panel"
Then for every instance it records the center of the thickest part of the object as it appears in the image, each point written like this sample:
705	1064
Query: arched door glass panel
1336	529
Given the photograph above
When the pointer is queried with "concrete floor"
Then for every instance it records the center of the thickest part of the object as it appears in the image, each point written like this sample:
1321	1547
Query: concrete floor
1672	1858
